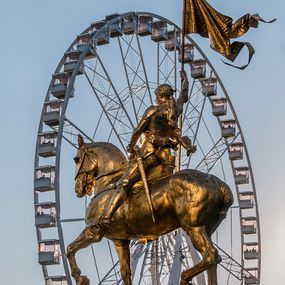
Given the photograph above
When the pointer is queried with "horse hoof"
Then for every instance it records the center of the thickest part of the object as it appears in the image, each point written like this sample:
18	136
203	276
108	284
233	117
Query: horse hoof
82	280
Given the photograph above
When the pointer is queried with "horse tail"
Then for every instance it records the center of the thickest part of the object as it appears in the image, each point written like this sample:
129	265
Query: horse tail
227	200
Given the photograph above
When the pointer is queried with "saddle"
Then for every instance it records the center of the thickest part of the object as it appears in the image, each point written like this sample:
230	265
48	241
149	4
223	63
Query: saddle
154	175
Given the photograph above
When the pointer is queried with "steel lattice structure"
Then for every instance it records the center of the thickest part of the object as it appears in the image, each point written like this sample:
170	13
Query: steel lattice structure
108	75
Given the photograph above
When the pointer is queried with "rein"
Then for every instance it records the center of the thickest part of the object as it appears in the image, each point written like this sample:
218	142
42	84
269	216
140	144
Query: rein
86	153
87	174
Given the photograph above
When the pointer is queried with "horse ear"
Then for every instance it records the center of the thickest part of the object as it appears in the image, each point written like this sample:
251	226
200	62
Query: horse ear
80	140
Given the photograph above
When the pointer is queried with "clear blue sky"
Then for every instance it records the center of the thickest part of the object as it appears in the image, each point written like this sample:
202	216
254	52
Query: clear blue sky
34	36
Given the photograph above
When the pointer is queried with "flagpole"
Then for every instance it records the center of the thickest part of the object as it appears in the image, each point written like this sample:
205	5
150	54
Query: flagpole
182	70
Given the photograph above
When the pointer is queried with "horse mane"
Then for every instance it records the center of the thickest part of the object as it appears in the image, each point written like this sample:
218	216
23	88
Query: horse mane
107	147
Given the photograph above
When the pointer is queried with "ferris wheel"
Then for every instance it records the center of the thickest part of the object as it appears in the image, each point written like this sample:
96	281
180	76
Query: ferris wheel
100	89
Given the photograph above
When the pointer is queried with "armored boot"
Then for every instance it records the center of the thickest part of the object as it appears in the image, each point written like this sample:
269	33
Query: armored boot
117	200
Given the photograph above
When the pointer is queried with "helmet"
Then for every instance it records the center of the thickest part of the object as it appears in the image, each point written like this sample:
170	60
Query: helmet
164	90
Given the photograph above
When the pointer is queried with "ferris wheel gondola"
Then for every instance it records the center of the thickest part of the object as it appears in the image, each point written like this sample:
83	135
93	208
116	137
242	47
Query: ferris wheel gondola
100	89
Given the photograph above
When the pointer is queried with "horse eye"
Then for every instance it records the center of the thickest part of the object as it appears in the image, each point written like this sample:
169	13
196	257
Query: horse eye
76	159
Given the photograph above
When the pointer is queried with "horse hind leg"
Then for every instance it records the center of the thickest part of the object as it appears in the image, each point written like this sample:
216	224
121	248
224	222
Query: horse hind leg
123	251
88	236
204	245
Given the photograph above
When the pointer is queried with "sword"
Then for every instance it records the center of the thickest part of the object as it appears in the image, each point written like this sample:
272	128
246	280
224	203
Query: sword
143	176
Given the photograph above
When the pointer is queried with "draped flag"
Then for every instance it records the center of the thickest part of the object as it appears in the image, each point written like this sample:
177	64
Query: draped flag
204	20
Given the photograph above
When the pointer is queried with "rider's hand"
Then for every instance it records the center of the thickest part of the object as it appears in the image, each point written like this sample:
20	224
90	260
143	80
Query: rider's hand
191	150
130	149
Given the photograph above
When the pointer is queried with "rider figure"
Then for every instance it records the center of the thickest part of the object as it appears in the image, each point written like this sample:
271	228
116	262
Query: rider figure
159	125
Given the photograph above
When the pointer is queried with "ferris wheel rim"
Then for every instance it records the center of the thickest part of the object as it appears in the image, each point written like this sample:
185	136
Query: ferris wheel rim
69	90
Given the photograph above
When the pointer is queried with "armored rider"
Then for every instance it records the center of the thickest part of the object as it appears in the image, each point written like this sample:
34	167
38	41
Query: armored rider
159	125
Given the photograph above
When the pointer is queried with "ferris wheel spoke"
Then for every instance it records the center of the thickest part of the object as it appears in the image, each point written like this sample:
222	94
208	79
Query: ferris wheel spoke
175	270
128	80
106	113
154	264
70	132
135	72
112	258
143	270
114	90
111	276
95	262
138	252
230	264
144	70
188	102
75	220
197	129
169	73
98	124
110	103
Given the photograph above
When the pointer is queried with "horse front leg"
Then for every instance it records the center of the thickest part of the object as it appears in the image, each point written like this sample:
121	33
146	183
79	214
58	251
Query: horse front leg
123	251
210	258
88	236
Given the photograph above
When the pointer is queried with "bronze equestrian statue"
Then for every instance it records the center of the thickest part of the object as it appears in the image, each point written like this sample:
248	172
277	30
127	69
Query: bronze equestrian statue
195	201
159	125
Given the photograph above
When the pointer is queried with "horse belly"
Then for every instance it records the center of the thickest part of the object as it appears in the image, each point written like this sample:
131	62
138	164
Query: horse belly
137	219
196	205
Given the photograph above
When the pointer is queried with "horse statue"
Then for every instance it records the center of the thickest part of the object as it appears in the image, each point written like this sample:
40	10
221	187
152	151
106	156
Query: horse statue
195	201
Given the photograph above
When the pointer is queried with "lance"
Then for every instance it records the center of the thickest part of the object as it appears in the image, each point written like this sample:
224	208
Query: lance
182	69
144	179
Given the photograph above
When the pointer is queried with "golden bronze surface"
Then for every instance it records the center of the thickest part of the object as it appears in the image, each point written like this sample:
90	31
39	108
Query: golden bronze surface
190	199
203	19
160	133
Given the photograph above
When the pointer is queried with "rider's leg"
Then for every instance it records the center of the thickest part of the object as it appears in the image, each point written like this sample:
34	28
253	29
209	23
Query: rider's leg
130	177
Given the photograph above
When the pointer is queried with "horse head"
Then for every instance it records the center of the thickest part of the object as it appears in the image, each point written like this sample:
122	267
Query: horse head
93	160
86	162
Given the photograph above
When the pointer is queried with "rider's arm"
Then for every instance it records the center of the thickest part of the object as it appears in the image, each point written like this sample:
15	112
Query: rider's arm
141	127
183	97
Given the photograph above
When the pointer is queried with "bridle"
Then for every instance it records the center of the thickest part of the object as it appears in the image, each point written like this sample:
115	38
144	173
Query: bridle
88	175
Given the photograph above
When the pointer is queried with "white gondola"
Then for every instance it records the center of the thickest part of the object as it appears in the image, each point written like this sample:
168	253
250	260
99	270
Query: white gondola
173	41
188	53
44	178
246	200
228	128
248	225
116	29
59	84
52	111
236	151
45	215
71	59
209	86
129	25
241	175
104	37
56	280
198	69
159	31
82	41
251	250
145	26
250	276
47	144
219	106
49	252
